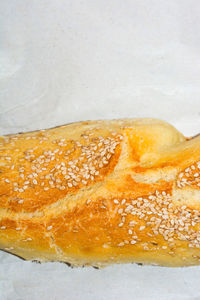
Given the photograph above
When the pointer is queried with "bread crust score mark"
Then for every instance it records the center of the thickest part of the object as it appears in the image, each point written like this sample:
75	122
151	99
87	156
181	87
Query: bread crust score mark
101	192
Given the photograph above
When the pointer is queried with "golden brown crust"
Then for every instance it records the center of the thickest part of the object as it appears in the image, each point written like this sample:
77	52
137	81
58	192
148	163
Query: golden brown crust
101	192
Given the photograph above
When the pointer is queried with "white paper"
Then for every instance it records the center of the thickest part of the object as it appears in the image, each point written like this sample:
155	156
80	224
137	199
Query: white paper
67	60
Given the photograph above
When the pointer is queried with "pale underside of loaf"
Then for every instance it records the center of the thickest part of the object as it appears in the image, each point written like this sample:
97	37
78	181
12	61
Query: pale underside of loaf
101	192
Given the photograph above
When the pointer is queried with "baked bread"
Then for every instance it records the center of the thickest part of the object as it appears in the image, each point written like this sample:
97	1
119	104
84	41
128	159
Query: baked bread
101	192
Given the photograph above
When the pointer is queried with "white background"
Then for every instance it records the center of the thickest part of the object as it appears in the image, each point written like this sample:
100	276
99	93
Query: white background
64	61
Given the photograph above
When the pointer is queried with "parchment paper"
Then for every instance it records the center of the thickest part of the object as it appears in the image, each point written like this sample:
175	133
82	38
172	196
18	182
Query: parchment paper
65	61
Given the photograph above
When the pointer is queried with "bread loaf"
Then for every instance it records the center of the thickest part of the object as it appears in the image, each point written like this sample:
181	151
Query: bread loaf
101	192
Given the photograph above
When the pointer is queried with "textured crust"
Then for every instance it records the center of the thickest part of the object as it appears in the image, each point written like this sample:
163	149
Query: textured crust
101	192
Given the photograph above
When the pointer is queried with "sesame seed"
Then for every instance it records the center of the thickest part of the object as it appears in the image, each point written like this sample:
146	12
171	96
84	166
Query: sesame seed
132	223
123	219
121	244
120	211
62	188
142	228
133	242
123	201
49	227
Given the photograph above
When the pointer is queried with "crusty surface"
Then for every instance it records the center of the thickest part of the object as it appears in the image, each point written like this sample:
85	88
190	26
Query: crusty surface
101	192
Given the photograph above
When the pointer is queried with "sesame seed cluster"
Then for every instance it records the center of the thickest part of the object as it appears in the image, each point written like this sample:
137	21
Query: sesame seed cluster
60	164
189	176
156	215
